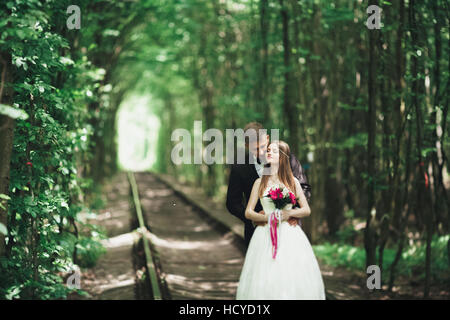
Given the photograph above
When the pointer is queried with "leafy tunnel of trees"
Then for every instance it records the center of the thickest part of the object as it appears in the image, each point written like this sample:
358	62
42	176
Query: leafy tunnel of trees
365	111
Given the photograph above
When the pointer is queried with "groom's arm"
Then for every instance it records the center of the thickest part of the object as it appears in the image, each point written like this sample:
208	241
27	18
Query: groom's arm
235	194
298	172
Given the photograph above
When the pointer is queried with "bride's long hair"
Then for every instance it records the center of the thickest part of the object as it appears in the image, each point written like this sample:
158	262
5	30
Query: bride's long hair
285	174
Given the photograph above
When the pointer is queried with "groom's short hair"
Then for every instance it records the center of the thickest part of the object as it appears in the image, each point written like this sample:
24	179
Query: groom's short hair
257	127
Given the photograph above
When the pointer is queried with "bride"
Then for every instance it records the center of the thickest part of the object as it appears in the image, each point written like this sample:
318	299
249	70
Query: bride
294	273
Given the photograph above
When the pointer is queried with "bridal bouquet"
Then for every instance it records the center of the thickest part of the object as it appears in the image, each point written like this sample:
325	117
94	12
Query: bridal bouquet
280	197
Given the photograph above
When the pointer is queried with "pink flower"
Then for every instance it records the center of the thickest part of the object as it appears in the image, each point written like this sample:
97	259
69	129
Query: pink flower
276	194
292	197
273	194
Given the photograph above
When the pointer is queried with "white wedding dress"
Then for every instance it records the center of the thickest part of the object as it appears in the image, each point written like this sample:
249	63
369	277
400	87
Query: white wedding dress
294	274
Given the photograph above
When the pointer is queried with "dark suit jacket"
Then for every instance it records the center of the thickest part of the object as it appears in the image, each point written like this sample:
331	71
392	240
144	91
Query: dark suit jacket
242	178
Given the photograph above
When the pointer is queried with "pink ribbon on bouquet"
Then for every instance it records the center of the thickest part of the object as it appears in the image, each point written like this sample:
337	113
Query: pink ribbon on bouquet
274	218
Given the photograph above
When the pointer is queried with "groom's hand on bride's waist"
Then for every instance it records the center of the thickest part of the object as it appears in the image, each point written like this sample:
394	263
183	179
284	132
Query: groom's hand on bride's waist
293	221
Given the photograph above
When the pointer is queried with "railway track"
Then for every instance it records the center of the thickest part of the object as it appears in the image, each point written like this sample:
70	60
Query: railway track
188	256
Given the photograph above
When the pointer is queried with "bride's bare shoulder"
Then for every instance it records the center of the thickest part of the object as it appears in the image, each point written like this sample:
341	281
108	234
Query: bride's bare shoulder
256	184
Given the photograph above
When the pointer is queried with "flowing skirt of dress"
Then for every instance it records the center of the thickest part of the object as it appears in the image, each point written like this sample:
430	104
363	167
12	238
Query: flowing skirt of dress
294	274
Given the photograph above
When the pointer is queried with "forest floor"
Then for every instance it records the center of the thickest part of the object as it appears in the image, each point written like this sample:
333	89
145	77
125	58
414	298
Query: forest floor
113	276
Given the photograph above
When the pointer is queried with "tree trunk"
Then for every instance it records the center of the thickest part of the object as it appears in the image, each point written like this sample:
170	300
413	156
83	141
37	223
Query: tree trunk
6	139
289	108
397	225
370	241
422	194
264	7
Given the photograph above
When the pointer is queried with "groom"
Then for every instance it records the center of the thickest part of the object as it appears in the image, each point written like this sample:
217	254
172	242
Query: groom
243	176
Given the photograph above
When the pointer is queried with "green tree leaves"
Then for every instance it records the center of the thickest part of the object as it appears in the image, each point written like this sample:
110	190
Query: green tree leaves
51	133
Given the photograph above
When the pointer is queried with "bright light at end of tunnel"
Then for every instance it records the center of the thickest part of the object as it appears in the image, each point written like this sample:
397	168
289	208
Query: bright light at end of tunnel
137	134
